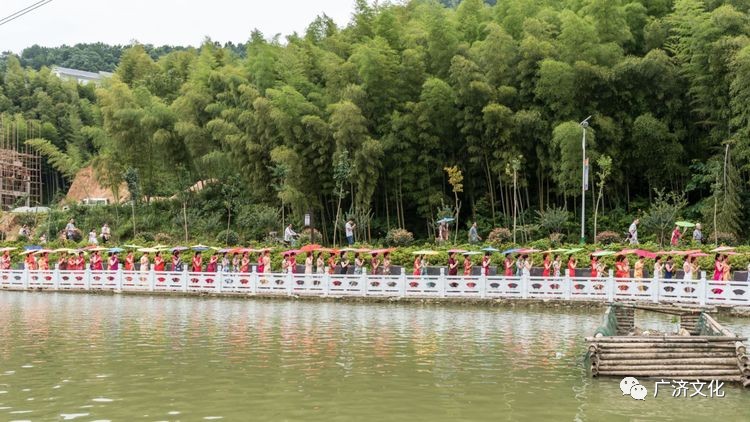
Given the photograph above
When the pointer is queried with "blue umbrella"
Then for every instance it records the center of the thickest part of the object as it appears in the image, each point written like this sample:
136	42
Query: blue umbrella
32	248
116	250
180	248
200	248
510	251
490	249
446	220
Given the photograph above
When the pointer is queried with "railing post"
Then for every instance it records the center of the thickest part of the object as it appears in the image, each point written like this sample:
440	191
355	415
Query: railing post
611	286
567	285
524	286
289	282
702	290
363	279
442	282
87	278
25	279
482	286
402	280
655	288
56	278
151	280
254	281
184	280
326	283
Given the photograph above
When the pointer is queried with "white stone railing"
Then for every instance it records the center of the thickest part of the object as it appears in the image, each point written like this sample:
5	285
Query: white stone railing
698	292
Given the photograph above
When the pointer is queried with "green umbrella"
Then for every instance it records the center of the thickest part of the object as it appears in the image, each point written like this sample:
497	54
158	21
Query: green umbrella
684	224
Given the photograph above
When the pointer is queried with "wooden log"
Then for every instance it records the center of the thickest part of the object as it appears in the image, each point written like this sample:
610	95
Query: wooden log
696	374
666	345
672	338
651	355
670	361
740	348
669	367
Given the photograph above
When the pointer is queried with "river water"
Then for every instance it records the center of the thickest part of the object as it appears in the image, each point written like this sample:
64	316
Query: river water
89	357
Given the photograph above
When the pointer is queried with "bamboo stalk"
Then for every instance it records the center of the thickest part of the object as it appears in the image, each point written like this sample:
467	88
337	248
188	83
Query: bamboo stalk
665	345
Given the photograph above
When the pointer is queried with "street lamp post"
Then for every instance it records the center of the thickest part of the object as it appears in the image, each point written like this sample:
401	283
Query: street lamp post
584	125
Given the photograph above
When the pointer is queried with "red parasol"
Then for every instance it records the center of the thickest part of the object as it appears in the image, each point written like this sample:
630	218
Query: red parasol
646	254
310	248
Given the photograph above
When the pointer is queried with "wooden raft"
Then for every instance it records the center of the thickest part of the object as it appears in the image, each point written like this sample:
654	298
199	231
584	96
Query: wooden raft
706	351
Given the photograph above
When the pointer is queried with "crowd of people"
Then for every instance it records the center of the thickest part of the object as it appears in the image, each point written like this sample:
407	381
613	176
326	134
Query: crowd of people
318	260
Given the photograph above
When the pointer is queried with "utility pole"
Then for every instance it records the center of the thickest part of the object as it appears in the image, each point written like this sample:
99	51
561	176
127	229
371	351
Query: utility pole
584	179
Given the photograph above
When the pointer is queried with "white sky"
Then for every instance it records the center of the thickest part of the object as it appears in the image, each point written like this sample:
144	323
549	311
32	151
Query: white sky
158	22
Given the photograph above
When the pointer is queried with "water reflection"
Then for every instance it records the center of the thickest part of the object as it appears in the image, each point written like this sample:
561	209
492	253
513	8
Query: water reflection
115	357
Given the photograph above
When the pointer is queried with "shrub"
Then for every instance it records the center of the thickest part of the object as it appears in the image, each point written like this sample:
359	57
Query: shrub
146	236
723	238
499	236
608	237
399	237
228	237
556	239
304	237
163	238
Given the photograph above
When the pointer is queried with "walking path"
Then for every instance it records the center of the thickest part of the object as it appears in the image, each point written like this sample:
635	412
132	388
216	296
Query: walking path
699	292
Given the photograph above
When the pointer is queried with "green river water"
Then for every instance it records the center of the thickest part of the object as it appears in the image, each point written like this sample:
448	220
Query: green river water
89	357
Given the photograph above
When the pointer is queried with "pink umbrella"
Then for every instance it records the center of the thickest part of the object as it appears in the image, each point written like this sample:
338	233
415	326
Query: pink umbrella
698	255
646	254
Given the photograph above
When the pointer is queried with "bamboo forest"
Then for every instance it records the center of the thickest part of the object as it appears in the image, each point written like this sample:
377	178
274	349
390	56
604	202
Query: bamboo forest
411	112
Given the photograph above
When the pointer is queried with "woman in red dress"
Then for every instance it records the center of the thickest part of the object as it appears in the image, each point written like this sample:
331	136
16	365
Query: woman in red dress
5	261
260	263
332	263
508	265
417	265
30	262
486	261
197	264
96	262
213	263
572	263
159	263
245	263
467	265
546	271
80	262
130	261
114	262
594	266
44	262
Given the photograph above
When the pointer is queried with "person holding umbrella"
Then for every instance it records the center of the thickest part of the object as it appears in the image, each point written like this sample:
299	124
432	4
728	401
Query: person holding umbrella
44	262
508	265
159	262
718	267
332	263
213	263
176	261
145	262
197	262
572	264
467	264
452	264
687	268
386	263
676	235
95	262
267	261
418	265
129	261
486	261
374	263
245	263
114	262
80	262
5	261
320	264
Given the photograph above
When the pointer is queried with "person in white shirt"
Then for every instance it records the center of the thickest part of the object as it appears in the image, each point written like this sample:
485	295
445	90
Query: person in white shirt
92	238
289	234
349	229
633	232
105	233
70	229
